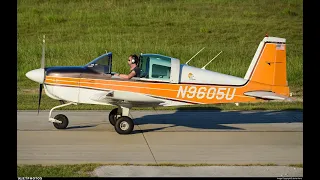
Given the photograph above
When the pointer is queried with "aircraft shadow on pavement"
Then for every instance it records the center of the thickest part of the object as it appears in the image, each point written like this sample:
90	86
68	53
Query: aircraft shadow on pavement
214	118
211	118
81	126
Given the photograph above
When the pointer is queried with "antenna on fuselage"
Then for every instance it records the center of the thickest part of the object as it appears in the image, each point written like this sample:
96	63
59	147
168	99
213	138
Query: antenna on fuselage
204	67
195	55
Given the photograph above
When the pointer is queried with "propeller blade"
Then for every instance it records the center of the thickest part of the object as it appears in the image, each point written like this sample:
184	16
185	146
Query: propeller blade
40	92
43	52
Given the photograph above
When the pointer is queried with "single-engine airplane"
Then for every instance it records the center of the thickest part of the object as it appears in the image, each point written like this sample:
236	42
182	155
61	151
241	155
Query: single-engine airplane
164	81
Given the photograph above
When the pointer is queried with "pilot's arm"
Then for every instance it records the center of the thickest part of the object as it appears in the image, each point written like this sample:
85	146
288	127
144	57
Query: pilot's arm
129	76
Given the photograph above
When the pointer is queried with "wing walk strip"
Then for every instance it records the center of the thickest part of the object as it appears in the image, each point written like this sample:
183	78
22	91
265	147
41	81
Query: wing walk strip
100	84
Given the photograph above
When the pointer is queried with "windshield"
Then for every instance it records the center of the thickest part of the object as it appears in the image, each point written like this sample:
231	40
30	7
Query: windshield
102	63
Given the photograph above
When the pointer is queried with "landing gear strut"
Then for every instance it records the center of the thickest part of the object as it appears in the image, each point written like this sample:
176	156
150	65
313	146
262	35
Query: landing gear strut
119	118
60	121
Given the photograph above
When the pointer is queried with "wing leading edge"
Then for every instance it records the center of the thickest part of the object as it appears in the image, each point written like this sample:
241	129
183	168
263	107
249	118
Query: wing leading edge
114	98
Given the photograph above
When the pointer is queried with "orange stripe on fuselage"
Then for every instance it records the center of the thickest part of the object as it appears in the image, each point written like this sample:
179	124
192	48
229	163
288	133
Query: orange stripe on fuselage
206	94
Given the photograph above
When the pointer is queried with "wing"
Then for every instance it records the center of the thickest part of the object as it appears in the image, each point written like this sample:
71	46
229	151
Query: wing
109	98
267	95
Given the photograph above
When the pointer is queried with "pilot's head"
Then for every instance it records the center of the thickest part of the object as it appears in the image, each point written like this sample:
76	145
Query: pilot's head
133	59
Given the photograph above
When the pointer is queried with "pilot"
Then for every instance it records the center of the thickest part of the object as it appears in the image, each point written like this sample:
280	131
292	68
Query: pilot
133	62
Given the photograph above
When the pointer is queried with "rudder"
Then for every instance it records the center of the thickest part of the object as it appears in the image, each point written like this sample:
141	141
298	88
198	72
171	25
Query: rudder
268	65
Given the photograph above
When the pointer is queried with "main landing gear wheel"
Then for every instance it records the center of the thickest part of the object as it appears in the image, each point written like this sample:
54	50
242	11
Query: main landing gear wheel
124	125
113	116
64	121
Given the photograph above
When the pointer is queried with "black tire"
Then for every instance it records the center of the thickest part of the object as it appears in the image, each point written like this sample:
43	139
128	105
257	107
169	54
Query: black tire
64	121
113	116
124	125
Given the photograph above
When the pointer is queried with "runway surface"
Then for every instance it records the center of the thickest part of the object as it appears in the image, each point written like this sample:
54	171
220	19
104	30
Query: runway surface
199	171
215	137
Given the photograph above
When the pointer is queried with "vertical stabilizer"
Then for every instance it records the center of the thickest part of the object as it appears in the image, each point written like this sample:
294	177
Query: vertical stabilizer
268	65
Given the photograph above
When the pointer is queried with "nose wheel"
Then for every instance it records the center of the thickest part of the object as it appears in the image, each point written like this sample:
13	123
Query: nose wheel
64	121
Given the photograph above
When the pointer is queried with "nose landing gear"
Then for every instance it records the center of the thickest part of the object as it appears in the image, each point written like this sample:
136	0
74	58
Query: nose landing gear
60	121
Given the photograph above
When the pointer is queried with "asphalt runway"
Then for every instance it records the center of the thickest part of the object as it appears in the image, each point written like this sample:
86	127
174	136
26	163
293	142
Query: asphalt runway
215	137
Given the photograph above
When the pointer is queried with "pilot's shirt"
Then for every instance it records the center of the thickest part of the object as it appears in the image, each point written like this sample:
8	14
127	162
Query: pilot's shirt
137	71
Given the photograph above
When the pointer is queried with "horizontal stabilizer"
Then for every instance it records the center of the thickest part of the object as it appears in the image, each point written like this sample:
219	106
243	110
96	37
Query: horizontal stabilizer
267	95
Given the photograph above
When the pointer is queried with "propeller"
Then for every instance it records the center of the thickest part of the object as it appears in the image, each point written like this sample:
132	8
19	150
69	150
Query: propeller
40	92
42	67
43	52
